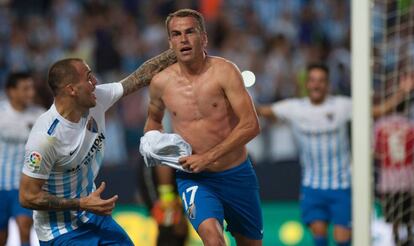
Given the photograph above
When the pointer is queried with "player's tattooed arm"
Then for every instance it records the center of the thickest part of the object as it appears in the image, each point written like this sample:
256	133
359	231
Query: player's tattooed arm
32	196
143	75
50	202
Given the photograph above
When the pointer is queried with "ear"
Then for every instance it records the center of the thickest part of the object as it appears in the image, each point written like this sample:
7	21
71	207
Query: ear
204	40
70	90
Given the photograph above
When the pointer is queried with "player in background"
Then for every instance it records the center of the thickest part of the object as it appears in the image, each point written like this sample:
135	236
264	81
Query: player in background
394	145
65	151
18	114
319	124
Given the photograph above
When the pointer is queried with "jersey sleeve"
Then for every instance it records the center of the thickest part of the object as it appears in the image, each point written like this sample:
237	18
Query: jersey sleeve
108	94
284	109
39	152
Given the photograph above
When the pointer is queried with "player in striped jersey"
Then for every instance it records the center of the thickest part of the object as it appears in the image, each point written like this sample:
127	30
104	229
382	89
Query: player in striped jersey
17	118
65	151
319	123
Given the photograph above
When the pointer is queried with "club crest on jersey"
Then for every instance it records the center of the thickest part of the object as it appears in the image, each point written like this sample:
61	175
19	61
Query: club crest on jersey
330	116
34	160
191	211
30	125
92	126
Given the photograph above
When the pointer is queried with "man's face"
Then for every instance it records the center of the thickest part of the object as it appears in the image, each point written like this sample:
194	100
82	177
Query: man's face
23	93
85	87
317	85
186	38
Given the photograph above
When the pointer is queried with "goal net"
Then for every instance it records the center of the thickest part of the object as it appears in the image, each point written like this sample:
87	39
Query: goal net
393	133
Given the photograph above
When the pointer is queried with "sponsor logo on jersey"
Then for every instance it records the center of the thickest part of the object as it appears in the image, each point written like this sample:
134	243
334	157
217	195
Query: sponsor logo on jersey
92	126
330	116
34	160
73	152
96	147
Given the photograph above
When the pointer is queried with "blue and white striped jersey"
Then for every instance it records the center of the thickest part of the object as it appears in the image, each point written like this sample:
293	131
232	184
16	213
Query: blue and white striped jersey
322	137
15	127
68	156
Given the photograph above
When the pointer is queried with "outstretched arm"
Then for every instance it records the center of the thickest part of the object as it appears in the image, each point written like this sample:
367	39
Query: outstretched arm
405	87
143	75
266	112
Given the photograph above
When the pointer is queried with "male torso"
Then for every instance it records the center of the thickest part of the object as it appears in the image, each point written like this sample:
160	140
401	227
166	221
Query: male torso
199	109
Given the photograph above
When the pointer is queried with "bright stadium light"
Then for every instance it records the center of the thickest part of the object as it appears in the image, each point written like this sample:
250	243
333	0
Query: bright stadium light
249	78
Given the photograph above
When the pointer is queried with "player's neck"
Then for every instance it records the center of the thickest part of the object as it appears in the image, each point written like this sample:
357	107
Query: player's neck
318	101
195	67
19	107
69	110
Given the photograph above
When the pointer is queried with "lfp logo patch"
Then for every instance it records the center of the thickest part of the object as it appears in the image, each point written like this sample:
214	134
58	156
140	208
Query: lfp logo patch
35	158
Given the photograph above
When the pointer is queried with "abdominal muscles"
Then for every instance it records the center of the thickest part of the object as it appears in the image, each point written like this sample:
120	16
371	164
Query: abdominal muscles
205	132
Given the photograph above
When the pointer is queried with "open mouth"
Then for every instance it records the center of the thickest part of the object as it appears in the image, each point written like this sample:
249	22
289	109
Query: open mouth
185	50
317	90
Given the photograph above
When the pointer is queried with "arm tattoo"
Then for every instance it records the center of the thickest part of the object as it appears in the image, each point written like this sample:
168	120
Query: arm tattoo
143	75
50	202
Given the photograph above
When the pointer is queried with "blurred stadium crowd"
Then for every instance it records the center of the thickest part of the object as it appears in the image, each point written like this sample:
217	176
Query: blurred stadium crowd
274	39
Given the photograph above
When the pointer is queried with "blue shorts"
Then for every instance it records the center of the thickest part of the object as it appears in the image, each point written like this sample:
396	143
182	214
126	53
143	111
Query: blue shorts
10	207
99	230
331	206
231	195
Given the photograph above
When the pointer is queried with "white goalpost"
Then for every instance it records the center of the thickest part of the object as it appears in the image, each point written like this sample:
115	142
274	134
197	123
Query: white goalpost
362	190
382	57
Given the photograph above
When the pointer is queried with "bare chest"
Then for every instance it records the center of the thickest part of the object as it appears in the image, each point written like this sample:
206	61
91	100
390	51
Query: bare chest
195	100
